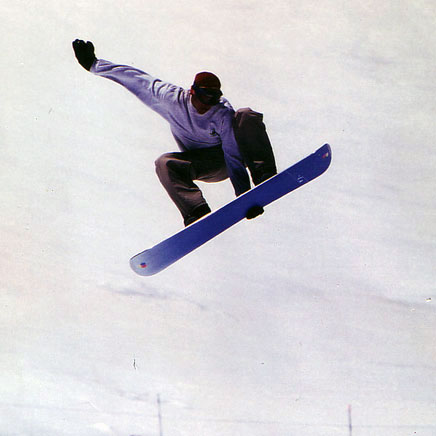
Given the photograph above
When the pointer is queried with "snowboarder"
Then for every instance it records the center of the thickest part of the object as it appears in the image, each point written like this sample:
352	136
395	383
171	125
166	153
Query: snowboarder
216	142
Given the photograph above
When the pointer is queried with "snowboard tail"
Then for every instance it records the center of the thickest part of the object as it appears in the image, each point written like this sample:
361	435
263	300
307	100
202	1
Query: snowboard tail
175	247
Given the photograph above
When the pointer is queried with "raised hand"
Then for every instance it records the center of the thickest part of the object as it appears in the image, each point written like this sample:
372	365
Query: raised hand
84	52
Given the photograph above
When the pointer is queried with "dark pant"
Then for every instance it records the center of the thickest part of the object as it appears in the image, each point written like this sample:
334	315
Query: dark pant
178	170
254	144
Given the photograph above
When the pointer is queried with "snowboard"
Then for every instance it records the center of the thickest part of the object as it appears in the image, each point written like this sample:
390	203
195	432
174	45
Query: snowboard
175	247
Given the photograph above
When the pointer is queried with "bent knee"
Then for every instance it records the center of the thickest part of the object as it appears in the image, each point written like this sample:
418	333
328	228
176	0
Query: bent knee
247	114
162	161
172	163
247	121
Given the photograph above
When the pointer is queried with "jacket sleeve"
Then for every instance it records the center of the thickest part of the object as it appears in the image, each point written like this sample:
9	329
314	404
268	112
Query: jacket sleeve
234	161
151	91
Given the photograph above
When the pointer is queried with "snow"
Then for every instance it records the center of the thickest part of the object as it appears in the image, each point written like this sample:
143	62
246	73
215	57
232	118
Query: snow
279	324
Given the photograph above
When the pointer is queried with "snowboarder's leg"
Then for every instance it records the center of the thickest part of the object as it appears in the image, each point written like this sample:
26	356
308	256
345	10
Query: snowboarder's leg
254	144
178	170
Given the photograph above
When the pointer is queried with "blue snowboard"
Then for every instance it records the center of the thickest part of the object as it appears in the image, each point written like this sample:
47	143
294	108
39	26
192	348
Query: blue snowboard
170	250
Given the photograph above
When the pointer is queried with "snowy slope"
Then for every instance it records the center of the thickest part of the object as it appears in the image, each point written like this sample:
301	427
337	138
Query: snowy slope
273	328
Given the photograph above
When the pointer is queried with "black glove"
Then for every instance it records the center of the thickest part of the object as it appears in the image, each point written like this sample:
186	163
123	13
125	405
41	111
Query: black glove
84	52
253	212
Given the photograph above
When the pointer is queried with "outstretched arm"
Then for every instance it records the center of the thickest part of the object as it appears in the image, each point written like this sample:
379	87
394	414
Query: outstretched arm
151	91
84	52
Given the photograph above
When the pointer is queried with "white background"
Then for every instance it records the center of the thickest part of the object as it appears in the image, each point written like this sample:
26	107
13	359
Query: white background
276	326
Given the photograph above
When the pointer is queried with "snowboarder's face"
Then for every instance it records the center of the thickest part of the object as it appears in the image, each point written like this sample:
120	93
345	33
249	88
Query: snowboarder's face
198	105
206	96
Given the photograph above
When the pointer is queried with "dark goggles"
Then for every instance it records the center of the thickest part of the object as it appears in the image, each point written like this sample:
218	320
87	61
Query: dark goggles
209	96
